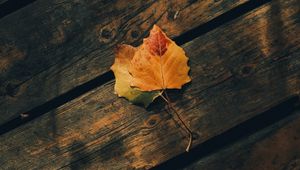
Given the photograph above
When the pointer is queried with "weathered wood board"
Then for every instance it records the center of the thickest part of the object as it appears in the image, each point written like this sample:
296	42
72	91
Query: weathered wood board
50	47
275	148
239	70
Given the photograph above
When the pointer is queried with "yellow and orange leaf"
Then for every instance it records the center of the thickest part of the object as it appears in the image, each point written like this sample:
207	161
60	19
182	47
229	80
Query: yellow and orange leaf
159	64
124	54
142	73
145	72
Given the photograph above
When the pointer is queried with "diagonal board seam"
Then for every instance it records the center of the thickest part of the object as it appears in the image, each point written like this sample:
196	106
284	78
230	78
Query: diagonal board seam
108	76
11	6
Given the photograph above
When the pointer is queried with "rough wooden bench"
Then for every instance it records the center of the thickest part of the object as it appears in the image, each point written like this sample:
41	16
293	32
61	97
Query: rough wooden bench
57	104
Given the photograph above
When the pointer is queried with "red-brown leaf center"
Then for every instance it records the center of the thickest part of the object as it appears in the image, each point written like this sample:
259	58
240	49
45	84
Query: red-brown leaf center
157	43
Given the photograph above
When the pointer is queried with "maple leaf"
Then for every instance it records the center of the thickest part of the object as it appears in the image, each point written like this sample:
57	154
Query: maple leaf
159	64
124	54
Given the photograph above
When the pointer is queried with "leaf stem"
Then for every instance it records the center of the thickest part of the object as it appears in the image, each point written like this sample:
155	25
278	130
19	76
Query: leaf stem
188	130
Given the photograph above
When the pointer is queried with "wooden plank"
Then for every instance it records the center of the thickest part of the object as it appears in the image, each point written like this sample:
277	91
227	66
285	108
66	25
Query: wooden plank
2	1
50	47
10	6
276	147
239	70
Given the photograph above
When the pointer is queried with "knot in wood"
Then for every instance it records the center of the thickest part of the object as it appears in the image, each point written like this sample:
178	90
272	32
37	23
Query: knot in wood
246	70
135	34
106	34
152	121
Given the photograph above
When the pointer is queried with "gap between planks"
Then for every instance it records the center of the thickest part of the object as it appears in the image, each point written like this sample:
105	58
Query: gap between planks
9	6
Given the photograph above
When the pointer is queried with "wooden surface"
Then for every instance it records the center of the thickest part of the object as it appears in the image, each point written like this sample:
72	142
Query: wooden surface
49	47
2	1
274	148
239	70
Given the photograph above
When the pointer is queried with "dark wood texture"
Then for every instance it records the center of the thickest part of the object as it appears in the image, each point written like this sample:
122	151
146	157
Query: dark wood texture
50	47
239	70
2	1
274	148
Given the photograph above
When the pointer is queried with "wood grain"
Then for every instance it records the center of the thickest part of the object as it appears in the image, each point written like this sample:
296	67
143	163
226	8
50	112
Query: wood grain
50	47
276	147
239	70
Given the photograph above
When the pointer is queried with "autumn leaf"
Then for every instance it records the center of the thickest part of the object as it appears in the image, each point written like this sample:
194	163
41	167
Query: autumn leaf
159	64
124	54
145	72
